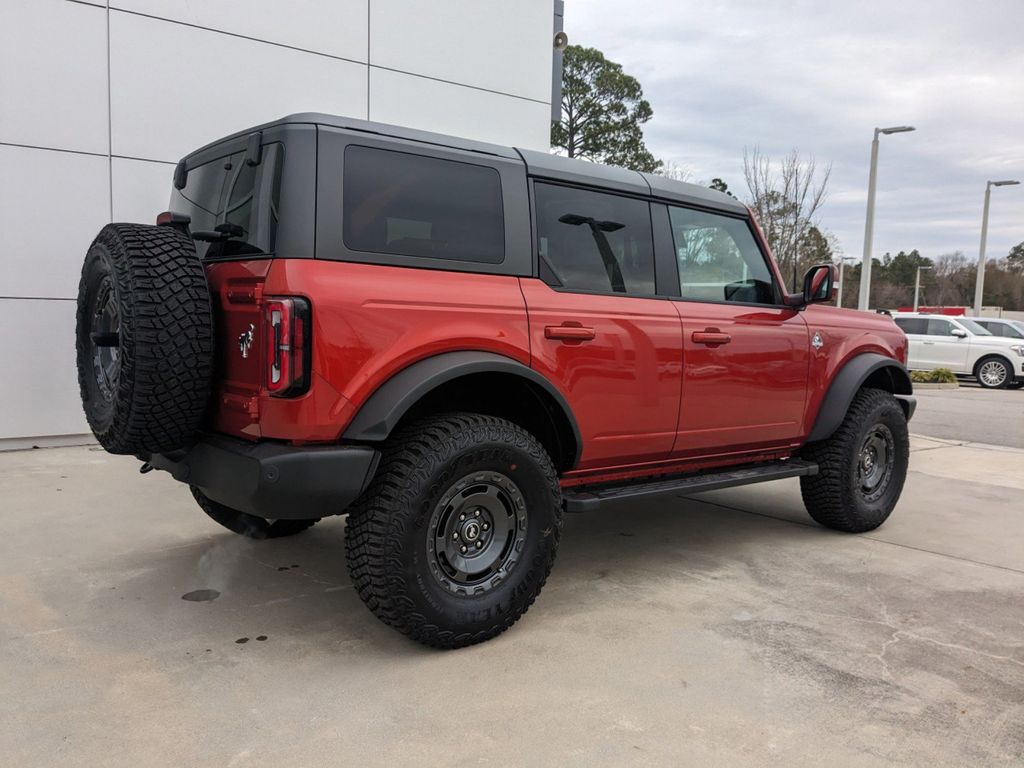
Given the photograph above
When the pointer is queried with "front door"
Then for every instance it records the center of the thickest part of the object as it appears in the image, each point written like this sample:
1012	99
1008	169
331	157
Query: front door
596	331
941	349
745	357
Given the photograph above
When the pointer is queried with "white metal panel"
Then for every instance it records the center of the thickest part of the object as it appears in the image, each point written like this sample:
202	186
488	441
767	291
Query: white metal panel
175	88
142	189
457	110
52	204
336	27
53	74
495	44
41	391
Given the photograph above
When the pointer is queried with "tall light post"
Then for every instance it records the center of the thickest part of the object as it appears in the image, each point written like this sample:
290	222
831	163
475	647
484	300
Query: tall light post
917	285
979	286
842	263
869	224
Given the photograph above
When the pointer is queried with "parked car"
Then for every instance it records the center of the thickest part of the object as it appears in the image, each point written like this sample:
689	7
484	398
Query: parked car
964	346
1011	329
455	342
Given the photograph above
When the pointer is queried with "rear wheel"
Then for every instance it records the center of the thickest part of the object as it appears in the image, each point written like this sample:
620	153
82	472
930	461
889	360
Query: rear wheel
456	536
247	525
993	373
861	467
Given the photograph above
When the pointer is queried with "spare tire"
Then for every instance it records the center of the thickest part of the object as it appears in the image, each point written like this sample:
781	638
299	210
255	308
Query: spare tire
144	339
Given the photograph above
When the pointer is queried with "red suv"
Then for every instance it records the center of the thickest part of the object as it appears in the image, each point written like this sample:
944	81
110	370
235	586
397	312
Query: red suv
453	343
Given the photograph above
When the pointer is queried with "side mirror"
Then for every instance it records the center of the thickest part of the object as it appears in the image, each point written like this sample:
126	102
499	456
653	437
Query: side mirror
960	333
820	284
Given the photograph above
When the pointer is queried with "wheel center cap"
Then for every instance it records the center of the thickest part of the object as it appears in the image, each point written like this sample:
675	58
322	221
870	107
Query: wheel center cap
471	530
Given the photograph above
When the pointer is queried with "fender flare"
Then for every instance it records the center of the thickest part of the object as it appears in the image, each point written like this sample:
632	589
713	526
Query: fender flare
382	411
844	386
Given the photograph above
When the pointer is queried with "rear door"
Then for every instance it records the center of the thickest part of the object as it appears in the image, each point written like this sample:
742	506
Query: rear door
745	355
597	329
941	349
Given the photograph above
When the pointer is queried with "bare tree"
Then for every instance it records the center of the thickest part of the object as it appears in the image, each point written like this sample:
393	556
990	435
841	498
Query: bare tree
786	197
671	170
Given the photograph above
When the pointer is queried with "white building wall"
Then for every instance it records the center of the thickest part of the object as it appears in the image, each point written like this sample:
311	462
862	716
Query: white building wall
98	101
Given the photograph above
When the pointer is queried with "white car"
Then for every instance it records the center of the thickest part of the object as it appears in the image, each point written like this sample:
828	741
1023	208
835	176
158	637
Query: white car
963	346
1011	329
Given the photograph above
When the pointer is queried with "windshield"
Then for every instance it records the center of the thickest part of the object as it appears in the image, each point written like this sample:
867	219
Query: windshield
973	327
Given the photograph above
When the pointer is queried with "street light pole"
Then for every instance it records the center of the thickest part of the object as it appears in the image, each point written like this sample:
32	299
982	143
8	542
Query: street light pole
842	263
917	285
979	286
869	223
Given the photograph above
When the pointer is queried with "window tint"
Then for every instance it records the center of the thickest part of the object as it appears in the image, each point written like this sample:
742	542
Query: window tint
719	259
411	205
913	324
939	327
593	241
230	191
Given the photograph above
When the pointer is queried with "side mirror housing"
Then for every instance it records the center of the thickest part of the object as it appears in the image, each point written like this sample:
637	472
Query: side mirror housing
820	284
960	333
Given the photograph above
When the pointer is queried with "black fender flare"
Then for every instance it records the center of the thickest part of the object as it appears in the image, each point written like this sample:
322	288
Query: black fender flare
382	411
851	377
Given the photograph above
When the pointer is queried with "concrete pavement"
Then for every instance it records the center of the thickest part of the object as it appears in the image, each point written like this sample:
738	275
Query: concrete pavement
971	413
726	629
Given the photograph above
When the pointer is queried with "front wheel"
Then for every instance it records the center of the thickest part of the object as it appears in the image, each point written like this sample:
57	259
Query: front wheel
456	535
861	467
994	373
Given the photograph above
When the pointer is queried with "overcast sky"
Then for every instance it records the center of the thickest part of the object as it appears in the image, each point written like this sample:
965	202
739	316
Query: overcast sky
820	76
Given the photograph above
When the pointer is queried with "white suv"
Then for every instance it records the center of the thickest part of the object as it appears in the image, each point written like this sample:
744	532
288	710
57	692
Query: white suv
964	347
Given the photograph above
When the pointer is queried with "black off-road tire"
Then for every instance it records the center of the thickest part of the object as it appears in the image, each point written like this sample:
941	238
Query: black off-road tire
247	525
430	471
837	497
144	339
987	381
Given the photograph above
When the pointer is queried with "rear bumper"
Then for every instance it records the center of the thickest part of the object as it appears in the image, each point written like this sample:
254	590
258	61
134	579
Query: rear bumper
271	480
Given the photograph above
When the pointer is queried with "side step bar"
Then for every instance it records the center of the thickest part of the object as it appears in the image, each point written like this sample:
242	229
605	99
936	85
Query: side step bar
591	500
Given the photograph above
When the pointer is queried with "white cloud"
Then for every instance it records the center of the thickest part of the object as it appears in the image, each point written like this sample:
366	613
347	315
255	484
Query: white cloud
820	77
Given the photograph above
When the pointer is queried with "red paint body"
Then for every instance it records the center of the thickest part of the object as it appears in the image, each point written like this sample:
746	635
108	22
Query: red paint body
650	388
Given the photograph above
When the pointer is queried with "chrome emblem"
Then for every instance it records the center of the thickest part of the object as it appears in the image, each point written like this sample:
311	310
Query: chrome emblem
816	340
245	341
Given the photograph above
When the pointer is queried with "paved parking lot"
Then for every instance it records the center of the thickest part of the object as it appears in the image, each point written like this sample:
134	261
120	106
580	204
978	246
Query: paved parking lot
719	630
972	413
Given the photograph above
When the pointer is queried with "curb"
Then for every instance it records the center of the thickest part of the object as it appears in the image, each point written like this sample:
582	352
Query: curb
932	385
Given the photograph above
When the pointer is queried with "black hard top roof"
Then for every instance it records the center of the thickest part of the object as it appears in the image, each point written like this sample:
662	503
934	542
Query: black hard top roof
538	164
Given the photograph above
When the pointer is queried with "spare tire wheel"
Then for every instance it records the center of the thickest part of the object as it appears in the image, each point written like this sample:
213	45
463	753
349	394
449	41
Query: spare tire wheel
144	339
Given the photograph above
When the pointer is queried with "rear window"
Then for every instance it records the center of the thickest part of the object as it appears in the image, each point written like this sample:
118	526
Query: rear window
411	205
230	191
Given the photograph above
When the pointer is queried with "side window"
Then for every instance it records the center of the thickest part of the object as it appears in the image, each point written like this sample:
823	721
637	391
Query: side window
918	325
412	205
938	327
594	241
719	259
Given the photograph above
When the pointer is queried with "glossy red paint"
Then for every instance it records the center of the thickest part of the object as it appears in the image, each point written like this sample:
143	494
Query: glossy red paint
748	392
622	381
845	333
657	386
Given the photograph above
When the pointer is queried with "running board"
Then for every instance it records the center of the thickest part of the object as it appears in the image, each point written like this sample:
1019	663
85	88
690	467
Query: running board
590	500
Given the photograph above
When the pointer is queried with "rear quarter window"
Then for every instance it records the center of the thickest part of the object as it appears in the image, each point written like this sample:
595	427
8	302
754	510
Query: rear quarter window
912	324
412	205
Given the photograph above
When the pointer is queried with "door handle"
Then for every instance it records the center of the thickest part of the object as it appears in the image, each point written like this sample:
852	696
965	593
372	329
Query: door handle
928	343
567	332
711	336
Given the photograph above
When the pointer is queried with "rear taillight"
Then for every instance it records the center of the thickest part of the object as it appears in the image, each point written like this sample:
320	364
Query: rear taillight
288	346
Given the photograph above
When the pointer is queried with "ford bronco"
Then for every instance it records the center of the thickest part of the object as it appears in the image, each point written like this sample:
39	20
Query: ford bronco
456	343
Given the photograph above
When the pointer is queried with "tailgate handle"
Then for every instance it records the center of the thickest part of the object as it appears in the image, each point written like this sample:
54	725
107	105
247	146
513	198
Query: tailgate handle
711	336
568	332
